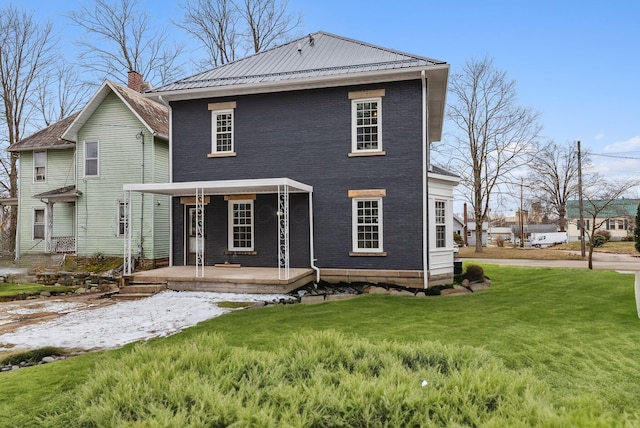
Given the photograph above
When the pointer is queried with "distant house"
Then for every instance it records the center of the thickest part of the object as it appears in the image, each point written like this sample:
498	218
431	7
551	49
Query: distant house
312	155
618	217
471	233
72	172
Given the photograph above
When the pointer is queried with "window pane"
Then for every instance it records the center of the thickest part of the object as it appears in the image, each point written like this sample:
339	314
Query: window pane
91	167
367	225
92	150
366	133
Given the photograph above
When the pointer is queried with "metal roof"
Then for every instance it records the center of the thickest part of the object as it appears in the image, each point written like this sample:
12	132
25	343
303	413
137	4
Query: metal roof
319	60
614	209
221	187
316	55
47	138
153	115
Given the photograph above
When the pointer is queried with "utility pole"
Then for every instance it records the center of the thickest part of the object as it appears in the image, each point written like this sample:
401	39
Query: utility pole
521	217
580	206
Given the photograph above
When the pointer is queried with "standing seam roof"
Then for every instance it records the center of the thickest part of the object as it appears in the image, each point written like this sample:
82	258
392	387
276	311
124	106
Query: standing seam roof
317	55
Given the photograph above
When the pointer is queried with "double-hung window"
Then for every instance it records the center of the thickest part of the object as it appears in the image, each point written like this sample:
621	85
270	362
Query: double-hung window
367	225
91	164
241	225
38	223
440	220
366	125
222	129
39	166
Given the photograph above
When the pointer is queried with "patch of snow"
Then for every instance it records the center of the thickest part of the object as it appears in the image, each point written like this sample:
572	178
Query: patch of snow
112	326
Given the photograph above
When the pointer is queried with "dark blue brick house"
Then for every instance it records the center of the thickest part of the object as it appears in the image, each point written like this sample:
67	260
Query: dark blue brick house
312	155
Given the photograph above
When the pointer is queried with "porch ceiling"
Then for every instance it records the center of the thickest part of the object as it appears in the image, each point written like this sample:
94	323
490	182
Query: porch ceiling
221	187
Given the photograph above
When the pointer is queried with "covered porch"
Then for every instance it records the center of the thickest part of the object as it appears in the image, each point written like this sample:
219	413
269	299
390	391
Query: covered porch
222	279
60	244
279	277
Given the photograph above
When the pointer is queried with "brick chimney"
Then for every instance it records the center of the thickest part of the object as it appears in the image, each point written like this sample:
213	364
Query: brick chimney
135	81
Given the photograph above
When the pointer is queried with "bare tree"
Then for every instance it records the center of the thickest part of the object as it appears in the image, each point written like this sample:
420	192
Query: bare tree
268	22
554	177
601	202
61	92
493	132
229	29
215	25
26	51
120	38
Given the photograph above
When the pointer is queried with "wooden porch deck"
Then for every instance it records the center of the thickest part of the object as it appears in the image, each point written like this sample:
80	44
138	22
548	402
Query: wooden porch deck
225	279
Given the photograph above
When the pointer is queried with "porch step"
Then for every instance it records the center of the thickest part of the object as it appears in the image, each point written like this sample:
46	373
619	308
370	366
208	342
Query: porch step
130	296
139	290
143	287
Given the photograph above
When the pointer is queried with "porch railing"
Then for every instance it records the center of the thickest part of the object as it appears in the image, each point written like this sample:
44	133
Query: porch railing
64	244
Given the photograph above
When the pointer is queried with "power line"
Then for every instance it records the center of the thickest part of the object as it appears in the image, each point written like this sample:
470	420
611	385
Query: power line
614	156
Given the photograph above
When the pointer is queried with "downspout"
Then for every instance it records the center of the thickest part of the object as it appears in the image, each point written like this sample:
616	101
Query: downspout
425	185
140	136
311	244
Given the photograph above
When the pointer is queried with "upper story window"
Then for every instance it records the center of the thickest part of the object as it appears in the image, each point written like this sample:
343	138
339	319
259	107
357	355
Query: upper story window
366	122
91	164
39	166
441	228
222	129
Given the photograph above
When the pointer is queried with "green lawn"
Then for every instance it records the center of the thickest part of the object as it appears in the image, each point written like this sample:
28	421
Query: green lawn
572	335
9	291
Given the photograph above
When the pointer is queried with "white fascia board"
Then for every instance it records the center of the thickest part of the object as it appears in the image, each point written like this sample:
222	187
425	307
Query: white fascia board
267	185
71	133
305	83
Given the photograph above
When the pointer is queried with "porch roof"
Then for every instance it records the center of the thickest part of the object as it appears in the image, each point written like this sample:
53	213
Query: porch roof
221	187
63	194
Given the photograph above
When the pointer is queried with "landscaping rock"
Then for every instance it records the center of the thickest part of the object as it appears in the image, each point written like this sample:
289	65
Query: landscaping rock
376	290
395	292
45	294
46	360
478	286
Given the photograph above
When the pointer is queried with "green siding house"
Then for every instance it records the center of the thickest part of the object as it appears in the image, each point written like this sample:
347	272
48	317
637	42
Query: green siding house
72	173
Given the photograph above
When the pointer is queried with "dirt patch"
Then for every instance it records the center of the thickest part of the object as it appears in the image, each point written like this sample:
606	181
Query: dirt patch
20	313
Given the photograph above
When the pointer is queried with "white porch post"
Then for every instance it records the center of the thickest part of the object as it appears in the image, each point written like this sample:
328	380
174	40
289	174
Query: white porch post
48	234
199	233
127	233
283	232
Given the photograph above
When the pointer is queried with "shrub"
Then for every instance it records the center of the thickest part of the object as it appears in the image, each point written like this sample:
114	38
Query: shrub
458	239
604	233
475	273
33	356
598	240
322	379
500	241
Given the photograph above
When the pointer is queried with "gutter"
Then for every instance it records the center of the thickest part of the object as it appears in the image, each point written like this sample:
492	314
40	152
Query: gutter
425	185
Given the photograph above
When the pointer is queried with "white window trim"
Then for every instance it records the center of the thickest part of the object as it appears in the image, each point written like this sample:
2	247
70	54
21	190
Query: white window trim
354	226
231	225
214	132
443	223
354	127
44	223
35	180
84	161
120	202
